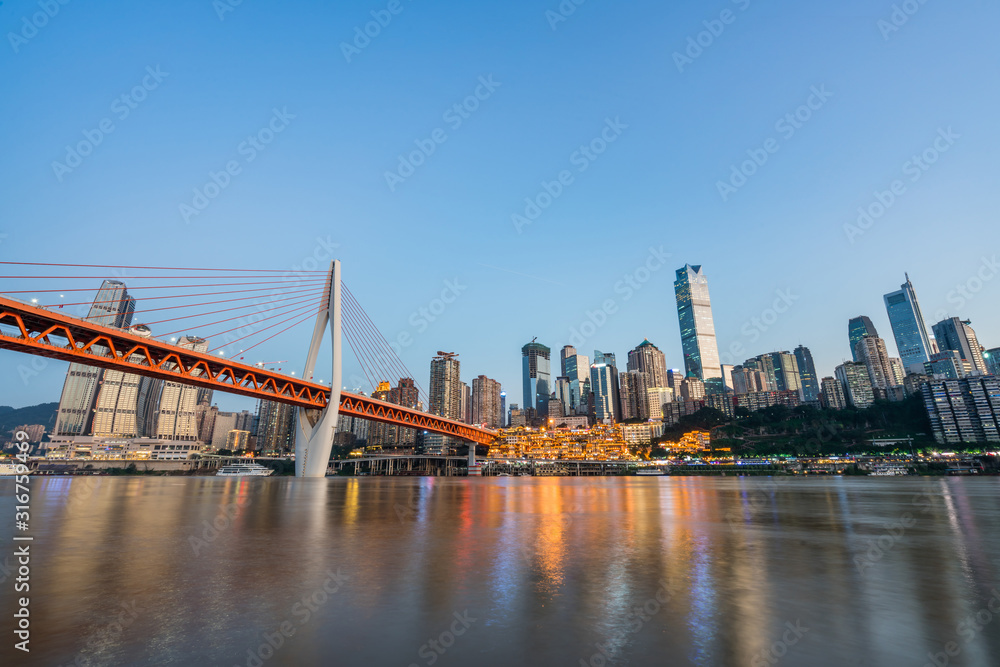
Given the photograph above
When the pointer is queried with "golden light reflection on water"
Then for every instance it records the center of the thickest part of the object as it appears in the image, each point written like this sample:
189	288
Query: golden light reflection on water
550	567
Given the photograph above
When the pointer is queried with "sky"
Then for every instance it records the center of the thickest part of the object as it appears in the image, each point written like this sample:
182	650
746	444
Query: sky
591	142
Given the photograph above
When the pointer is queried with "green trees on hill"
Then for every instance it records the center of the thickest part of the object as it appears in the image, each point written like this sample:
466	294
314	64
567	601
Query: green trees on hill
806	430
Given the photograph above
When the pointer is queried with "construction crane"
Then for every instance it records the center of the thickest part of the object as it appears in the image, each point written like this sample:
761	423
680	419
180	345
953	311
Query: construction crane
446	355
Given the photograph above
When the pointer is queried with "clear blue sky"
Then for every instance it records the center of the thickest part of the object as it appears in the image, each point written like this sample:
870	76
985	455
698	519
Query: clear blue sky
656	185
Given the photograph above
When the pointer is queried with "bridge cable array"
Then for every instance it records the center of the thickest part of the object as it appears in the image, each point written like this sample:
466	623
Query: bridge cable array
376	356
268	303
236	310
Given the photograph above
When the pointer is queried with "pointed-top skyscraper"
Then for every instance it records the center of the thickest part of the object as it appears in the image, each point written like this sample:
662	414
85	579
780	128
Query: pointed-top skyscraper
694	312
908	327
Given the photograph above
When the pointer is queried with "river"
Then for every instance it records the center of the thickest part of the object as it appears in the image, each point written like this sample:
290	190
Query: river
599	571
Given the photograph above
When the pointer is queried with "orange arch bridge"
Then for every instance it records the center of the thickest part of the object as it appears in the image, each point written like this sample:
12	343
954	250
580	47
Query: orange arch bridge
38	331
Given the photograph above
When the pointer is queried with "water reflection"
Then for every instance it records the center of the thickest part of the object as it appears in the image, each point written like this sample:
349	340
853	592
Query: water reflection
552	570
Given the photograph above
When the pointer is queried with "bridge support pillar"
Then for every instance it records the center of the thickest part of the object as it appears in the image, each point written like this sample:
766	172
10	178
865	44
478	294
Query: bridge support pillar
314	435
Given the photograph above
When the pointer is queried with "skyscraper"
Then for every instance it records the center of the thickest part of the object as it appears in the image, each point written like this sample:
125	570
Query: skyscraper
486	402
856	383
121	409
446	387
604	388
908	327
807	374
634	387
648	359
871	352
958	335
786	371
537	377
177	416
575	367
694	312
112	307
857	328
833	394
992	359
275	427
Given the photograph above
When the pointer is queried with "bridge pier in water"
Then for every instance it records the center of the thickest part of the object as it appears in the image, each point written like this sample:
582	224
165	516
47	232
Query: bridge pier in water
316	428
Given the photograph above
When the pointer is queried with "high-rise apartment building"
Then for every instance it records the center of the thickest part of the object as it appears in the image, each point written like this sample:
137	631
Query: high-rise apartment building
958	335
908	327
871	352
858	328
694	313
964	411
992	359
856	384
833	394
656	398
446	387
177	415
112	307
537	377
486	407
808	379
648	359
633	388
275	427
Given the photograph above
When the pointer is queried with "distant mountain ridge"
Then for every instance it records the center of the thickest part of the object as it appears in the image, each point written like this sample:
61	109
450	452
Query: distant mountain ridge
44	413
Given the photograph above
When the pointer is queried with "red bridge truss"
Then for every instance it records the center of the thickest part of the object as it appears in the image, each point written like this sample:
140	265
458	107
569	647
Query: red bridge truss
39	331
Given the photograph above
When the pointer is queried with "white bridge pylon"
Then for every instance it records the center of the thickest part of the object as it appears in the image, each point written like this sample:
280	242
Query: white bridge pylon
314	434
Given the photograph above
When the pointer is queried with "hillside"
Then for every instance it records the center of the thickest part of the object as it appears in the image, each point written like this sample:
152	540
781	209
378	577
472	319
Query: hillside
11	418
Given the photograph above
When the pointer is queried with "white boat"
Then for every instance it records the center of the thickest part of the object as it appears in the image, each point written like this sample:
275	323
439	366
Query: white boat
7	469
243	470
650	471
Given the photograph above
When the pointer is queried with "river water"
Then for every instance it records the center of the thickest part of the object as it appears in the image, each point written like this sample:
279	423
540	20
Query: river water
508	571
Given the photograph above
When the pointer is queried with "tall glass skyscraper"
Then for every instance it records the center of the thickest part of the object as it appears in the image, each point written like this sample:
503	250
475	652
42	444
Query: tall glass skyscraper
958	335
694	312
807	374
537	375
908	327
604	385
112	307
858	328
